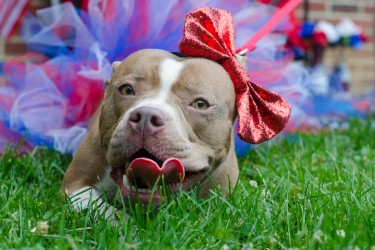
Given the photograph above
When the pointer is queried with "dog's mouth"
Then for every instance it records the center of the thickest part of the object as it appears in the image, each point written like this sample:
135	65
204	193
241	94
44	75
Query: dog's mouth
144	178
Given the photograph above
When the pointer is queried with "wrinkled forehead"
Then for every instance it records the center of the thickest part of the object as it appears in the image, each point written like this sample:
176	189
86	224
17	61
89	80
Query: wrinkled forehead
143	64
164	68
201	74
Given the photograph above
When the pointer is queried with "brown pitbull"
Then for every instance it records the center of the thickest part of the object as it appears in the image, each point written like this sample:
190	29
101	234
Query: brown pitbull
162	115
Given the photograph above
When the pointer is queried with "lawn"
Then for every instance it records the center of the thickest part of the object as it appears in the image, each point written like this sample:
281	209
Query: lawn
307	191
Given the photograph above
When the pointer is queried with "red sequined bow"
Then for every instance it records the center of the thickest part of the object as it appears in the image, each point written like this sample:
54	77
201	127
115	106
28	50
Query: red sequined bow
210	33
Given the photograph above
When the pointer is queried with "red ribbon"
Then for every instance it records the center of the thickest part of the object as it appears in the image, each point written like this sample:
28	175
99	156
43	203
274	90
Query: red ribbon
210	33
279	14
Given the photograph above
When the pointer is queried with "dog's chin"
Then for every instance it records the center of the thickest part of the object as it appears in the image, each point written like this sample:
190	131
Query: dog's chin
137	181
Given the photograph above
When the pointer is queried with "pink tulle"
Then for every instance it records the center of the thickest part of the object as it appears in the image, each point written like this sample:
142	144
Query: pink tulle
51	93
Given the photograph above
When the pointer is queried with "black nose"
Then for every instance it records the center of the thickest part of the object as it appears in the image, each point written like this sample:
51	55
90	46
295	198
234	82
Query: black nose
147	120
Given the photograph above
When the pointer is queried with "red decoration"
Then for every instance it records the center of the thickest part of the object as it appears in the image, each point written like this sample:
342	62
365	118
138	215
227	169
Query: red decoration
320	38
210	33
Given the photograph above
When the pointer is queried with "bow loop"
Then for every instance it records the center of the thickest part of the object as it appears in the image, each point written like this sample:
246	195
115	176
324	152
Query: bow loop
210	33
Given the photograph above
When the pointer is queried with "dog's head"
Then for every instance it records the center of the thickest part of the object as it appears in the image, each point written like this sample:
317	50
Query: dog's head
166	115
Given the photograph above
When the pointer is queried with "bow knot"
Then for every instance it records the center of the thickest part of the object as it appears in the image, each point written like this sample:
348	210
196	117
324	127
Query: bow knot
210	33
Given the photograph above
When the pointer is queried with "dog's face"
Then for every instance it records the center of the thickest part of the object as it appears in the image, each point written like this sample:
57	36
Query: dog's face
175	113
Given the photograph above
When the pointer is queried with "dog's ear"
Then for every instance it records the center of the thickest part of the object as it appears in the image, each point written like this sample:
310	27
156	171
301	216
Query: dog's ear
241	57
115	64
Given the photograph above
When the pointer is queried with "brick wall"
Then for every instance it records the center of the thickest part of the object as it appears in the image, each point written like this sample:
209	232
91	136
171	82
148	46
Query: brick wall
361	63
14	45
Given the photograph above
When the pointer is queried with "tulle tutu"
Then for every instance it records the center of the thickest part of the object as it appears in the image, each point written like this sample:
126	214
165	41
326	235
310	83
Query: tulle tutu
52	92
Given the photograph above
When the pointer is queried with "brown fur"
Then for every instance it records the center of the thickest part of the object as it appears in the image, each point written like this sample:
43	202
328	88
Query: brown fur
210	134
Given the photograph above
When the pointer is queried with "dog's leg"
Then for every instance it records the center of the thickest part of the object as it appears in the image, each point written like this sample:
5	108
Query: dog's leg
90	197
83	180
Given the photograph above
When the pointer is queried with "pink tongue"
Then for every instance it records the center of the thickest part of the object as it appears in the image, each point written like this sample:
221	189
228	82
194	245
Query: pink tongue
145	171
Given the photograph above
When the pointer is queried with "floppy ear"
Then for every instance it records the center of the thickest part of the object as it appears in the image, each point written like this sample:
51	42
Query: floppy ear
115	64
241	57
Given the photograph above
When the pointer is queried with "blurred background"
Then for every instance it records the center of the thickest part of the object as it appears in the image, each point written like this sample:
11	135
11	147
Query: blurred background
361	62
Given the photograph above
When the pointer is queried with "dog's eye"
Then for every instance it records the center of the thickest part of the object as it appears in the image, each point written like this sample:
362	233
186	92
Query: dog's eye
126	89
200	104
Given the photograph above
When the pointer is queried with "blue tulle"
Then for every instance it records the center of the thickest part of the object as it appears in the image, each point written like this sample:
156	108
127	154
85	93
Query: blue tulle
308	29
52	93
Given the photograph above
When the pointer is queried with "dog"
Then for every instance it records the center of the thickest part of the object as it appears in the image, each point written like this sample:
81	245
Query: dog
161	115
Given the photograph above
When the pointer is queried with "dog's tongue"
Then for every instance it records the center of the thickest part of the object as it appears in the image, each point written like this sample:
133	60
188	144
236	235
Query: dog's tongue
145	171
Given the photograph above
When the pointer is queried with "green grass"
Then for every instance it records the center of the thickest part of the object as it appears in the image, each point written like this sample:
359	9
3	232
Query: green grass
308	188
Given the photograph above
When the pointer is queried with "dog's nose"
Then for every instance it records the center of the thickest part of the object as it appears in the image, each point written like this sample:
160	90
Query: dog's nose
147	120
